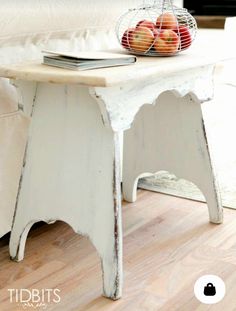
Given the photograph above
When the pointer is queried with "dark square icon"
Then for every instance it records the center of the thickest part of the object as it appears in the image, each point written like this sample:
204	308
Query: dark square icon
209	290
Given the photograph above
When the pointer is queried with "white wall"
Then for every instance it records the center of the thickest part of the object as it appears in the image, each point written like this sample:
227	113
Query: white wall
178	3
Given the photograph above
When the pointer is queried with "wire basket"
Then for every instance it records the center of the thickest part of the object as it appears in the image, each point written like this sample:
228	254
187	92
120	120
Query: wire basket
157	28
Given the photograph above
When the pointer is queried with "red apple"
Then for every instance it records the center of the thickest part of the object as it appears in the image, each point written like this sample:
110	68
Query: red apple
166	42
167	21
185	36
147	24
156	32
125	41
142	39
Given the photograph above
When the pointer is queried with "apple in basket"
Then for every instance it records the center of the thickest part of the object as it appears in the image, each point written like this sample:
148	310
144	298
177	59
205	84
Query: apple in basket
142	39
125	41
185	36
147	24
167	20
167	42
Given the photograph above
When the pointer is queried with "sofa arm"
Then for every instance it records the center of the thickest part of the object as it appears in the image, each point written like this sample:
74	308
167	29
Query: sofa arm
13	135
8	97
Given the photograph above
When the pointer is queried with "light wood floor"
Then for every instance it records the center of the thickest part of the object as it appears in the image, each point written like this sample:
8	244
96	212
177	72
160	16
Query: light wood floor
168	244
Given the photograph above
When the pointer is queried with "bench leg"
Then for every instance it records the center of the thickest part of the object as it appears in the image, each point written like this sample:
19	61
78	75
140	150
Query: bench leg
72	174
170	136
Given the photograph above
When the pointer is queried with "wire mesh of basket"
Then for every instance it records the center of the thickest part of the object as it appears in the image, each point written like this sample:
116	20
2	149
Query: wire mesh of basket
156	28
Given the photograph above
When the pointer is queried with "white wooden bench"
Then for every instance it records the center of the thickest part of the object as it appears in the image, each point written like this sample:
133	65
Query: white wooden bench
72	163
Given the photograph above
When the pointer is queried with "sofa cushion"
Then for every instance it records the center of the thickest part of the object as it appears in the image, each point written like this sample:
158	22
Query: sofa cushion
13	133
8	97
230	49
29	26
21	19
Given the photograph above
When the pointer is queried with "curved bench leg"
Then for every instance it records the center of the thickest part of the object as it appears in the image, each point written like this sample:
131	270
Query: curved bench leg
130	184
18	238
72	174
112	268
171	136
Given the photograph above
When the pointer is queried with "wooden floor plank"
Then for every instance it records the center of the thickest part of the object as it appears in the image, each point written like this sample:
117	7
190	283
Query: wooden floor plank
168	244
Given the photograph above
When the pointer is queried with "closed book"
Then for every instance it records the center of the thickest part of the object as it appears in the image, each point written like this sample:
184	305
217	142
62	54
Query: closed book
86	60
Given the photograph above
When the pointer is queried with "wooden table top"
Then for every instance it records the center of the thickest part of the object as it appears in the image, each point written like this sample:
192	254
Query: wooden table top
145	68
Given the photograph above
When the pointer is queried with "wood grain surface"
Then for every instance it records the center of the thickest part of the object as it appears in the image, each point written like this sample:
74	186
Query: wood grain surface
145	68
168	244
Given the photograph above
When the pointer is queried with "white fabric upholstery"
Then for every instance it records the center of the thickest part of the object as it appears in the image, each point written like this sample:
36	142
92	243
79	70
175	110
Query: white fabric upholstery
8	97
28	26
230	48
24	18
72	41
13	132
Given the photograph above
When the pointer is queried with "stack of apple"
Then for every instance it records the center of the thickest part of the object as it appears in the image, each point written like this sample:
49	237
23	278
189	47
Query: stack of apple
165	37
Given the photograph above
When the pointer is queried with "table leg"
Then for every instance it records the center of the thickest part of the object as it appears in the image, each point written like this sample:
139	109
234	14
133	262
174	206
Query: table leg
71	173
171	136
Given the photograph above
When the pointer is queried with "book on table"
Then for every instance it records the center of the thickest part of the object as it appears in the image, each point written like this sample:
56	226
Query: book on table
86	60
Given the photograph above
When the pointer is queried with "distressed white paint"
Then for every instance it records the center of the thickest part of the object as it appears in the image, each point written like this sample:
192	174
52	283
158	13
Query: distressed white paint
68	148
146	69
120	104
170	136
72	163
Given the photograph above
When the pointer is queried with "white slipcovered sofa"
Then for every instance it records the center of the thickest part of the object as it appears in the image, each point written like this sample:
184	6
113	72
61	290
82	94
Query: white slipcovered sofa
27	27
